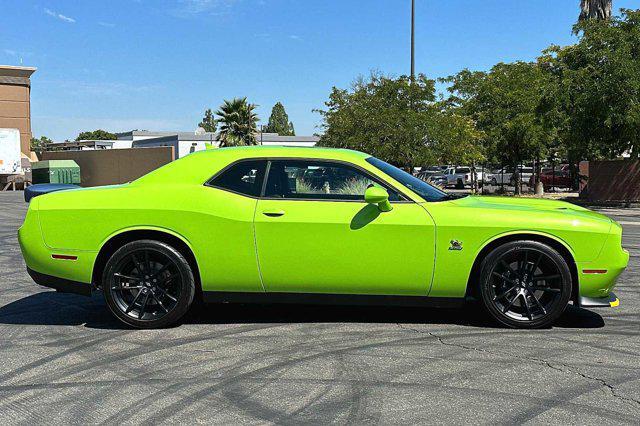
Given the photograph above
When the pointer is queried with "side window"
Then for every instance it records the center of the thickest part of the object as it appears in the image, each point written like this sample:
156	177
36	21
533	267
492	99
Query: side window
318	180
245	177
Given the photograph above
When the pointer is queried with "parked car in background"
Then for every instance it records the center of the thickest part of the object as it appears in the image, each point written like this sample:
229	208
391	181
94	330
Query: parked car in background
554	179
426	175
508	176
433	175
488	176
461	176
438	180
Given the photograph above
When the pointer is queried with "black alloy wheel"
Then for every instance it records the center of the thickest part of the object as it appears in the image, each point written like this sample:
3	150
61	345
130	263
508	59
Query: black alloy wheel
148	284
525	284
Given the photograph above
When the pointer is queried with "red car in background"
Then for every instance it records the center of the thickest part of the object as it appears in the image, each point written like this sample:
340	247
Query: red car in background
558	178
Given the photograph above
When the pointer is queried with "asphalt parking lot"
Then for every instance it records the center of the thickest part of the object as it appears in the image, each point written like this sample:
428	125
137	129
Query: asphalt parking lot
63	358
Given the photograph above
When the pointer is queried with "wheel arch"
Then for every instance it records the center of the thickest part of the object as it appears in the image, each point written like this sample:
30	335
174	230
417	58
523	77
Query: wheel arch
124	236
556	243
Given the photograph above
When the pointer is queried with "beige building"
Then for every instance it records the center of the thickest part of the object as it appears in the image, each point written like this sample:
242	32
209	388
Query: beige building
15	102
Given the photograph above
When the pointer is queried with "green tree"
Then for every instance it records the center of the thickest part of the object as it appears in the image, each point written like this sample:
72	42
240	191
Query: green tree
238	121
504	104
455	139
41	144
592	98
279	122
209	123
96	135
377	116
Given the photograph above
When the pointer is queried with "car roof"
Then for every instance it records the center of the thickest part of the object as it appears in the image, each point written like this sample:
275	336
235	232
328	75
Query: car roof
261	151
199	166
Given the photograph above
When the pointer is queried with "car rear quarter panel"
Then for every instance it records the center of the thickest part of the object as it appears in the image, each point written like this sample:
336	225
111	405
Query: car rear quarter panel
217	225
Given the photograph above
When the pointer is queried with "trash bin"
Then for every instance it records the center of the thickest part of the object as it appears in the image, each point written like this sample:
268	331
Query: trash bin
55	171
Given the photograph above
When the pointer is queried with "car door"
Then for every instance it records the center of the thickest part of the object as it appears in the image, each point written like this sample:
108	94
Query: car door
315	234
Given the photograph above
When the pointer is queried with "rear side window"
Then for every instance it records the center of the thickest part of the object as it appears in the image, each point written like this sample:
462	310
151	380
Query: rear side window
244	178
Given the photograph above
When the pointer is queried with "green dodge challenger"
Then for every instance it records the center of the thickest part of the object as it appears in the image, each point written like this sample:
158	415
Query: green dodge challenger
315	225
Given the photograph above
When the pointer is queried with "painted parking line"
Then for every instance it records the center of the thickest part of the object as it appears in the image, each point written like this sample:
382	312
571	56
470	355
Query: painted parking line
623	222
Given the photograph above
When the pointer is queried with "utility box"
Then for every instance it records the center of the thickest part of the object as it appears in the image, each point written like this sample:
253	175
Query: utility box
55	171
10	152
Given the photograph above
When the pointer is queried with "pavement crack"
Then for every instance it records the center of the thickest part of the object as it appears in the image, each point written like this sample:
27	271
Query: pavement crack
563	368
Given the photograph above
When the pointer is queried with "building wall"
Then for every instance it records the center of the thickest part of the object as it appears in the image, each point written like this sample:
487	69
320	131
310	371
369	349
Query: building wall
15	102
610	180
113	166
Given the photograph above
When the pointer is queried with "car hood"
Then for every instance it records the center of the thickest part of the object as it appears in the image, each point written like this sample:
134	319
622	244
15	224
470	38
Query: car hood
518	204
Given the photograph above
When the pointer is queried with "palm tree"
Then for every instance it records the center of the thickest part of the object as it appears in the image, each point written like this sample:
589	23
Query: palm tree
238	121
595	9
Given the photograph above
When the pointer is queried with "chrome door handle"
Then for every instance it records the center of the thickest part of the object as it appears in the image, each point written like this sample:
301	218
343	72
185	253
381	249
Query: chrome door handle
273	213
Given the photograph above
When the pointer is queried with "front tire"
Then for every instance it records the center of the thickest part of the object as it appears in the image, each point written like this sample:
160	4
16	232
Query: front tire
148	284
525	284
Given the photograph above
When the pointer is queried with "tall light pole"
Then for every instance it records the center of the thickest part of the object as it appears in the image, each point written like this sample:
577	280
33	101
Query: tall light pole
413	40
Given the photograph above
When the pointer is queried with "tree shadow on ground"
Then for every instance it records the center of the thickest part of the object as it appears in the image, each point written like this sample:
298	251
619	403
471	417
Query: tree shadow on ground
52	308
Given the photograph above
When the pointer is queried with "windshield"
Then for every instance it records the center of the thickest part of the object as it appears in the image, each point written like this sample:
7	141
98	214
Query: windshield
420	187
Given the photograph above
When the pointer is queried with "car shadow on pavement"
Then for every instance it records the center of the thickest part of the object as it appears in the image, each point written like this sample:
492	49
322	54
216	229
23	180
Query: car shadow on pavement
52	308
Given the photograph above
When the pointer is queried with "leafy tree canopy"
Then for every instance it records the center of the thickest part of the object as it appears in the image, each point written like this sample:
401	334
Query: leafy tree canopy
503	103
396	120
279	122
96	135
592	98
40	144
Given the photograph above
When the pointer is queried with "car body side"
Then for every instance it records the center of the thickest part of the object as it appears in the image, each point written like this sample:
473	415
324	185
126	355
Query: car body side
218	227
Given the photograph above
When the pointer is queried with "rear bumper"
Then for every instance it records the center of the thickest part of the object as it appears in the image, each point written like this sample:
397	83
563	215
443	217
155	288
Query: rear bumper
609	301
60	284
64	264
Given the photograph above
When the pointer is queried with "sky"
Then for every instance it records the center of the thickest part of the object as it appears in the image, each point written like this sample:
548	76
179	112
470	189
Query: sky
157	65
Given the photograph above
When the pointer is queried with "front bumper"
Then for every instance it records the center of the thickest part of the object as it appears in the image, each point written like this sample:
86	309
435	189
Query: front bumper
60	284
610	301
597	277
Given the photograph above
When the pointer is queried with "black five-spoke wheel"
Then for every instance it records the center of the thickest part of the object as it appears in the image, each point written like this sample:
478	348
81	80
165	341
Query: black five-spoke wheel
148	284
525	284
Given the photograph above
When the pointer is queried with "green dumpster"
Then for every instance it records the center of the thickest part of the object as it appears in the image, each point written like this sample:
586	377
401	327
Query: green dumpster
55	171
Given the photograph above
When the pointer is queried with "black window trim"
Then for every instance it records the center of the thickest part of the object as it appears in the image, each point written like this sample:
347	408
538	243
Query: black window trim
404	198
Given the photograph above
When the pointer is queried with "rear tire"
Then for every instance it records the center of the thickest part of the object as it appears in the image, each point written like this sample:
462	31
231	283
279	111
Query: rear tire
148	284
525	284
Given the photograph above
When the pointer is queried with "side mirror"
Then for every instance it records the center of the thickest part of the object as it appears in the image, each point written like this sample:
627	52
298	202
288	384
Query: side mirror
379	196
